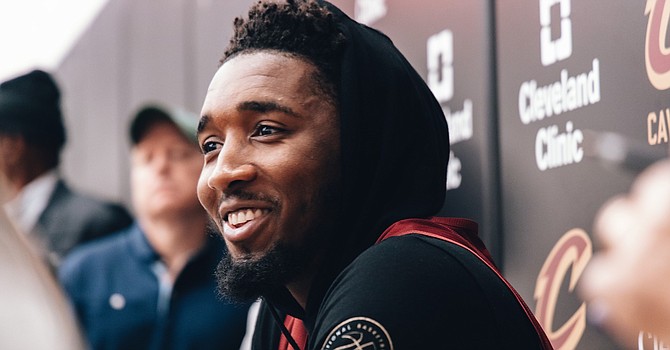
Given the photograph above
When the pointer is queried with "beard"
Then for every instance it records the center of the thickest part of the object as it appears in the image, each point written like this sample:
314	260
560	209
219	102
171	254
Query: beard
245	280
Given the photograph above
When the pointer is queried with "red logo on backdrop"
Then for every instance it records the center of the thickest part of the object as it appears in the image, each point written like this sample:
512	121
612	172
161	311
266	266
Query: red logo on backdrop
573	249
657	54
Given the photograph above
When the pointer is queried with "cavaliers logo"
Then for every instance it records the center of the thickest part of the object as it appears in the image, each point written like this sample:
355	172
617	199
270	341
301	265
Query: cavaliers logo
657	54
573	249
358	333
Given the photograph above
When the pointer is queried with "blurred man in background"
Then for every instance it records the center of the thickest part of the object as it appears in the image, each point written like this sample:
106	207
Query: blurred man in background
40	203
152	286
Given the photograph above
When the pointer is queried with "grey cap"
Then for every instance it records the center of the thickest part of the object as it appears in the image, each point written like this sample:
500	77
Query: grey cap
185	121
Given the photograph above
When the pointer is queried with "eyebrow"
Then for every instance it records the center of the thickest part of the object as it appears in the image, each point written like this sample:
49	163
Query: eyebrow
266	106
255	106
202	123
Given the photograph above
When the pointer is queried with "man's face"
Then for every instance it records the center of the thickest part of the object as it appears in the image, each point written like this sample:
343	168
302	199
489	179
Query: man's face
164	172
271	146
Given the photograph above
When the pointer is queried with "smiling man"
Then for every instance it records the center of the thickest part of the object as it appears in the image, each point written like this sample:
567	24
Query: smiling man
275	190
319	140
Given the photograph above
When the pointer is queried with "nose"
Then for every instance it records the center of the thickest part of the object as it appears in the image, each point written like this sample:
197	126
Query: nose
161	164
234	166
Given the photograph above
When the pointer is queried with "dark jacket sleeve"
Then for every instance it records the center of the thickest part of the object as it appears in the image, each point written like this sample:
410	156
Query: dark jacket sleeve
71	218
421	293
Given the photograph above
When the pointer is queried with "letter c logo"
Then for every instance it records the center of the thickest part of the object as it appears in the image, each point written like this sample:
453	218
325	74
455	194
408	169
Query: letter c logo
656	54
573	249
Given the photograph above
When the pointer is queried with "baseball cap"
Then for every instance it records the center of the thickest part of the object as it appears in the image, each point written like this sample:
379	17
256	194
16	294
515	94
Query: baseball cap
148	115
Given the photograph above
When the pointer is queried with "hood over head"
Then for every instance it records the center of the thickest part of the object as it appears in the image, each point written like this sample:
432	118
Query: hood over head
395	142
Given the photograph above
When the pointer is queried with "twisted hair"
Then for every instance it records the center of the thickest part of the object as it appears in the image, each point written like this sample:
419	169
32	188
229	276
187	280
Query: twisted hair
303	28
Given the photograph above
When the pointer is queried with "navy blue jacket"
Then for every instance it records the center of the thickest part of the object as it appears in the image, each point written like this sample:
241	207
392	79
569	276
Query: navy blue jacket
115	292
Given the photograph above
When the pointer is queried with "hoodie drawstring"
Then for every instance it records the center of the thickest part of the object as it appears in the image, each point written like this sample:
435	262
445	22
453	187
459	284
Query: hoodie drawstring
284	330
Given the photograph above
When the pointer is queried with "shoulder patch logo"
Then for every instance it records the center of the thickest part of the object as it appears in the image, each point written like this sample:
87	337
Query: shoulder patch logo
358	333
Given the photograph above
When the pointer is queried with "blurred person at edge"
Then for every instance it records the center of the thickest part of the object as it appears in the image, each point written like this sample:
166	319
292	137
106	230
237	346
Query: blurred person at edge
35	314
152	286
40	203
627	282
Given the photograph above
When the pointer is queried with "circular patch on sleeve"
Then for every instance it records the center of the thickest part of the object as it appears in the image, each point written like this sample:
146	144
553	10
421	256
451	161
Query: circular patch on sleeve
358	333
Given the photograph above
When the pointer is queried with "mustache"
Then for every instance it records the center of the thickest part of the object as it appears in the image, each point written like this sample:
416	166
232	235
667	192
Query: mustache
240	194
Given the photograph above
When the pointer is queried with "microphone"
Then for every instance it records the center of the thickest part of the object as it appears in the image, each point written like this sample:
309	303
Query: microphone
620	151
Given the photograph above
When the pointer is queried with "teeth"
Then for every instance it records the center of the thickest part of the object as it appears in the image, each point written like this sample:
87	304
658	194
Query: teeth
245	215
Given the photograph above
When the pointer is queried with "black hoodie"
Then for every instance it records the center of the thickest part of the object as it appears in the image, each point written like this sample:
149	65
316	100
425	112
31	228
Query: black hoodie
395	149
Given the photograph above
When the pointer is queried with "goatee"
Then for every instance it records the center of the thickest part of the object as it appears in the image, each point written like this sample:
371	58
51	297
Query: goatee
246	279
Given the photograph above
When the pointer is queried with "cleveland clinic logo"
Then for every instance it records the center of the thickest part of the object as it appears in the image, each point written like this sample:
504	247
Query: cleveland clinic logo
657	54
440	61
557	145
554	50
369	11
440	80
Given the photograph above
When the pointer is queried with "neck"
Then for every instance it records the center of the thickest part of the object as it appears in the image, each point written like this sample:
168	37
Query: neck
175	238
301	286
299	289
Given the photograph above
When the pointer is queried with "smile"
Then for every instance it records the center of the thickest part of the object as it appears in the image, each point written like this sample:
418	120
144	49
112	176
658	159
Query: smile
240	217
